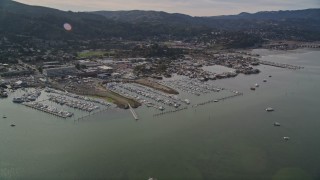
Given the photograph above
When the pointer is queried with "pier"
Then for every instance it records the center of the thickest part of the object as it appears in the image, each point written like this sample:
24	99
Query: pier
61	114
217	100
92	114
169	112
280	65
135	116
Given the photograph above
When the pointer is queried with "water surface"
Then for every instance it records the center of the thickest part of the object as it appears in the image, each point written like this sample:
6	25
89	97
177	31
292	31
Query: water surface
232	139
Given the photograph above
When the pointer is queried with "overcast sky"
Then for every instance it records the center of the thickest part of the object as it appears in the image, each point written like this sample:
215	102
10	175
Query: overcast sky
191	7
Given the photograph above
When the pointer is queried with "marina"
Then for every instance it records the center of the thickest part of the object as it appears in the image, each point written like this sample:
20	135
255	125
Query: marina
84	98
49	109
84	106
192	86
27	97
145	95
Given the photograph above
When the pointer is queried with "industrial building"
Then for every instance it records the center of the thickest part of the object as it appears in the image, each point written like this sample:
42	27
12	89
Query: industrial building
60	72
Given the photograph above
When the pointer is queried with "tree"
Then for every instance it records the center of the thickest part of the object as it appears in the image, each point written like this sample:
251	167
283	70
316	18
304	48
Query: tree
78	66
40	69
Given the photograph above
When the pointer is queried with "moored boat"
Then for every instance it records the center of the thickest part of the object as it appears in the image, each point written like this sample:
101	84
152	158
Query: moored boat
269	109
17	100
286	138
276	124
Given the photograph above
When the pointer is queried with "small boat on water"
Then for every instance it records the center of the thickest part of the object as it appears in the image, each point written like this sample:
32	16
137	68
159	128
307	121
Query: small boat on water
187	101
3	94
252	88
12	125
269	109
276	124
4	117
286	138
256	85
216	100
264	80
161	108
18	100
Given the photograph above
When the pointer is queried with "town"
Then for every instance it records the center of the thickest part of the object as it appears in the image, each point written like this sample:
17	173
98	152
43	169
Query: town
130	76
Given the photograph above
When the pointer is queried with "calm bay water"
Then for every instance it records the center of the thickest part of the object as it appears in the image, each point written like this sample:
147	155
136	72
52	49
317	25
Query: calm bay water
233	139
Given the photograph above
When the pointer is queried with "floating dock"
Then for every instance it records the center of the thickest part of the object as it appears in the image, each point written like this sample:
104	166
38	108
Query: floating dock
47	111
135	116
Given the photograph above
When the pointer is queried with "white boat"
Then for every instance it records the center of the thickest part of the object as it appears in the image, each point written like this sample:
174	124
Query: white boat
18	100
161	108
276	124
286	138
269	109
256	85
187	101
3	94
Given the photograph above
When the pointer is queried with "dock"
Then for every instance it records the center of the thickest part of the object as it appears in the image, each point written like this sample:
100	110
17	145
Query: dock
46	111
135	116
170	112
280	65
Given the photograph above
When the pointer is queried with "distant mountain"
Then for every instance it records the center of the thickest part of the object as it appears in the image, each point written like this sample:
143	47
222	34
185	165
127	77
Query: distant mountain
136	16
47	23
232	22
143	16
275	15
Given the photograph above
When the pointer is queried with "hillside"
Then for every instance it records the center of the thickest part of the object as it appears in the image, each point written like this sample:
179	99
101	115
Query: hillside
47	23
298	18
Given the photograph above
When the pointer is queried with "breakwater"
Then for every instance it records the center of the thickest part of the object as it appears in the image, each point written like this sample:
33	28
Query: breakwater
280	65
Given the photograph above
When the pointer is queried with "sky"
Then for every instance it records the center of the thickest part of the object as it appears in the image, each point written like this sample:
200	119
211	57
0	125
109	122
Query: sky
190	7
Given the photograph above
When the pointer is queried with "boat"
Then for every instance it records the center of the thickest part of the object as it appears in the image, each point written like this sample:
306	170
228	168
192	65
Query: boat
32	98
252	88
4	117
4	94
256	85
276	124
269	109
176	105
18	100
216	100
187	101
264	80
161	108
286	138
12	125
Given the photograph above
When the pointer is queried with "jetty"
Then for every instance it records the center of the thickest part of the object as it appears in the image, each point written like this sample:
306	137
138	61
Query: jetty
170	112
91	114
218	99
135	116
280	65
